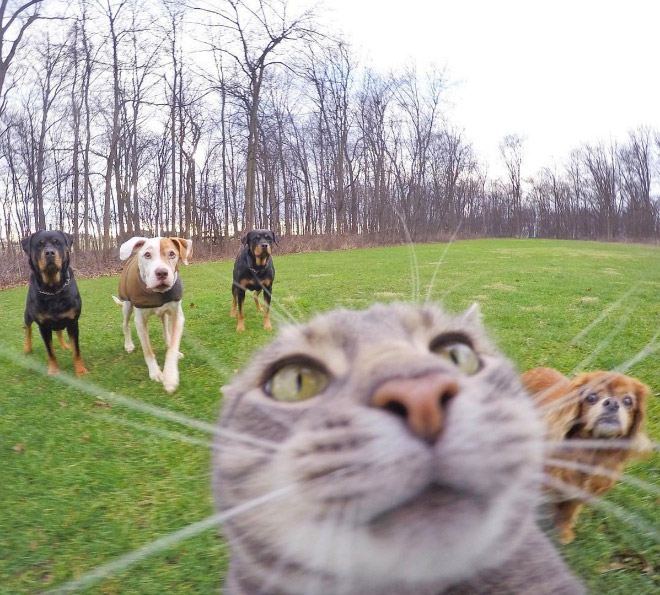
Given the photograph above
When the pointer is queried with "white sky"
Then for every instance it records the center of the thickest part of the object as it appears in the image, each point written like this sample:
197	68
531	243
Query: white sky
559	73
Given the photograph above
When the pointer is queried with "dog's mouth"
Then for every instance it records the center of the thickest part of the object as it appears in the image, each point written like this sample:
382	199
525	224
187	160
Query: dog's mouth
607	426
161	287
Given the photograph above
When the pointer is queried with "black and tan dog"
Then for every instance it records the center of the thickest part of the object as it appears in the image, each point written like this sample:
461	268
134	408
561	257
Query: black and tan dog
53	300
254	270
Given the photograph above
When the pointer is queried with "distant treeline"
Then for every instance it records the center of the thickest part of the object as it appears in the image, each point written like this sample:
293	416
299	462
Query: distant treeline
124	117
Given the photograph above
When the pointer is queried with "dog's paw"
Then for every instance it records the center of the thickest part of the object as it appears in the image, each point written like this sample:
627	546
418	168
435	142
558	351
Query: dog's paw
170	386
65	346
232	314
268	326
129	347
180	355
156	375
240	328
81	370
566	536
52	370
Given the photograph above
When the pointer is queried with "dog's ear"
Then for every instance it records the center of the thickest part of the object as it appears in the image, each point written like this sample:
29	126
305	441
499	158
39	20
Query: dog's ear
246	238
640	445
26	243
185	249
68	239
128	248
275	238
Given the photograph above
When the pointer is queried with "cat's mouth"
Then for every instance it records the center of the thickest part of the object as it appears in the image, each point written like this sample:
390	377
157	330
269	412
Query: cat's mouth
434	501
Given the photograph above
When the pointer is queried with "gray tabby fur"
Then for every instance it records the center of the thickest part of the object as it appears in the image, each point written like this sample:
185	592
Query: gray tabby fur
355	518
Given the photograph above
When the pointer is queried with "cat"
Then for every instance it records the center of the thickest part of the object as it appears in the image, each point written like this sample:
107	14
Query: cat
392	451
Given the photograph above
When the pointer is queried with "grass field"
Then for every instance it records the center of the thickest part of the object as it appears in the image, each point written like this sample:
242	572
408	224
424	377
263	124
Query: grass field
86	479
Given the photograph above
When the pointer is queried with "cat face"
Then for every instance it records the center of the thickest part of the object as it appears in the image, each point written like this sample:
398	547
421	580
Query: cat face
403	445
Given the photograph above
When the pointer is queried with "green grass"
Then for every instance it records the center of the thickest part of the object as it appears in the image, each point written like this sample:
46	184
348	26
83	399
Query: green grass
88	487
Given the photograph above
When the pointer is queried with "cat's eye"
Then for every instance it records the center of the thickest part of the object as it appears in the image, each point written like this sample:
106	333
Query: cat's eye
627	402
591	398
458	353
296	381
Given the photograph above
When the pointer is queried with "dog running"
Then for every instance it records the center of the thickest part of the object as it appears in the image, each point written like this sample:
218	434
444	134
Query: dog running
150	284
53	300
254	270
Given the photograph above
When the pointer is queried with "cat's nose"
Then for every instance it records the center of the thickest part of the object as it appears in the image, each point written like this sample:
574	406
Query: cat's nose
421	402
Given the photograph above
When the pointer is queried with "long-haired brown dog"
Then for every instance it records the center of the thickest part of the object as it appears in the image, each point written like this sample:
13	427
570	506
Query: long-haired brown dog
592	406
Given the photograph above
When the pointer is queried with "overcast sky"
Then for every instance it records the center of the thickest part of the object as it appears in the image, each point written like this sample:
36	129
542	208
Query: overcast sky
559	72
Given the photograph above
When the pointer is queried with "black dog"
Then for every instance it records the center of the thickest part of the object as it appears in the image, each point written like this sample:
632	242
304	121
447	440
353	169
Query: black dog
53	300
253	269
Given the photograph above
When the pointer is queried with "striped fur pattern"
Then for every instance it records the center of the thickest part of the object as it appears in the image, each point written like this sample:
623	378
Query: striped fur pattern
365	506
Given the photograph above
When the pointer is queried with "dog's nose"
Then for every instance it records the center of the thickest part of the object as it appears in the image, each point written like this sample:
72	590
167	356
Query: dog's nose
161	274
50	252
611	404
264	245
421	402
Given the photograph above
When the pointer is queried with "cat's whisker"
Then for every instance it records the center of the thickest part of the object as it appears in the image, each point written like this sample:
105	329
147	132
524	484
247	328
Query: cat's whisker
593	444
599	470
613	509
124	562
112	419
649	349
414	266
605	313
135	404
605	342
206	353
442	258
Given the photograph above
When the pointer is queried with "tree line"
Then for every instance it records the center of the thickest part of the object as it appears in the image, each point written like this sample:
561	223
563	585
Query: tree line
204	119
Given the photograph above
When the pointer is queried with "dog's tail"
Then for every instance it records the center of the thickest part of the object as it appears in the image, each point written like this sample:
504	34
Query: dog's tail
118	301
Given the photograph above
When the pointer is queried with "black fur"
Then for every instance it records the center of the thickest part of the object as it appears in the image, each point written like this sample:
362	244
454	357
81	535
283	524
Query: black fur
248	272
53	299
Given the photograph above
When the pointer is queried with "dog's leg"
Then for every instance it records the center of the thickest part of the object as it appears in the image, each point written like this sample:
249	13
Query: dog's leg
60	338
166	328
171	367
240	298
256	300
234	302
267	297
47	336
565	515
72	331
143	335
167	324
28	338
127	309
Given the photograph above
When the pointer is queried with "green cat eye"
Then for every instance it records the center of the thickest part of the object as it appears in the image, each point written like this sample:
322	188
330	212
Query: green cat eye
296	382
459	354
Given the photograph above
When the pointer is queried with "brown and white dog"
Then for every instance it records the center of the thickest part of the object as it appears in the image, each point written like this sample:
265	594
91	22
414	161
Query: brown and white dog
598	406
151	285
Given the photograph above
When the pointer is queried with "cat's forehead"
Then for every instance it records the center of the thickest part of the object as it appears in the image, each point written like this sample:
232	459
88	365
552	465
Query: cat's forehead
350	331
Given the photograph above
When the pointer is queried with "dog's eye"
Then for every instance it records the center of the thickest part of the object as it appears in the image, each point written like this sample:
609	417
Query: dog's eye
172	254
296	381
458	353
627	402
591	398
56	242
147	254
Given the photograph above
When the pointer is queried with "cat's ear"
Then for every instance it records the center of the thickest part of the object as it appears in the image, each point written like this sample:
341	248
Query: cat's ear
472	314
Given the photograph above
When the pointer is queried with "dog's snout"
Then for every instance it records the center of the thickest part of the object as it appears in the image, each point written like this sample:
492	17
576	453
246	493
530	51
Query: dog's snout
264	245
420	402
50	252
161	274
611	404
